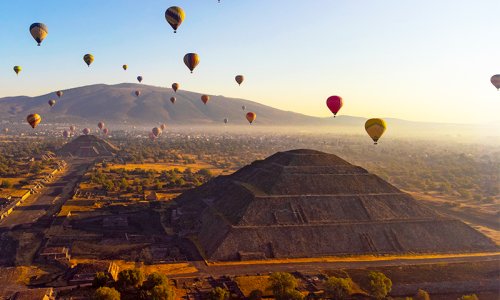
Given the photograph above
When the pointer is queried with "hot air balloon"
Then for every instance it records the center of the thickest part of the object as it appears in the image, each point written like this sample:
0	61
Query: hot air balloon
172	99
139	78
334	103
205	98
251	117
163	126
52	102
59	94
34	120
125	67
375	129
105	131
152	136
175	86
88	59
243	107
226	120
66	133
137	93
17	69
6	130
72	128
191	60
86	131
495	80
239	79
175	15
100	125
39	31
156	131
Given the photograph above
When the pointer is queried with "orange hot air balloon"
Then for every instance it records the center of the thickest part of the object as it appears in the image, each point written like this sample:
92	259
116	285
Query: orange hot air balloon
175	86
163	126
156	132
205	98
172	99
239	79
59	94
34	120
251	117
137	93
191	60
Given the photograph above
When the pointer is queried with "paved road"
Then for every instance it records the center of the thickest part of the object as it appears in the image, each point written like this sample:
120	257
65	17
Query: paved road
55	193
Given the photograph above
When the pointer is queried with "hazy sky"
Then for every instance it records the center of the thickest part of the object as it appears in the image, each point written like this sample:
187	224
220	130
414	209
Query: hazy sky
428	60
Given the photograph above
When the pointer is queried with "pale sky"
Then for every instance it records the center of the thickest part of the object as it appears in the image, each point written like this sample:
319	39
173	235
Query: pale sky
423	60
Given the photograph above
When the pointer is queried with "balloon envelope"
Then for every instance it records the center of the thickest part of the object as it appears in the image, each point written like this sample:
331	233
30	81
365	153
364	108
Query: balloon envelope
495	80
139	78
100	125
226	120
52	102
125	67
105	131
175	86
251	117
239	79
34	120
375	128
59	94
39	32
137	93
66	133
163	126
88	59
334	103
17	69
205	98
172	99
86	131
191	60
156	131
174	16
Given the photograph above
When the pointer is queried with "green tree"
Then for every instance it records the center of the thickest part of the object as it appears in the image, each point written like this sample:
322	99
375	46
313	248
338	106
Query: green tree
422	295
6	184
153	280
130	278
281	283
218	294
469	297
100	279
338	288
380	285
162	292
256	295
106	293
293	295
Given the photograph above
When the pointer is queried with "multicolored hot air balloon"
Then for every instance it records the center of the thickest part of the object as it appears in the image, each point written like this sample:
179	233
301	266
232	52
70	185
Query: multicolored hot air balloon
105	131
226	120
163	126
334	103
156	132
495	80
239	79
375	129
174	16
66	134
100	125
86	131
39	32
52	102
88	59
172	99
175	86
205	98
17	69
59	94
125	67
139	78
137	93
251	117
243	107
34	120
191	60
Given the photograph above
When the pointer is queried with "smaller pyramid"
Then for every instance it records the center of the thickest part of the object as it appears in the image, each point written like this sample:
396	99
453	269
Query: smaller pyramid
88	146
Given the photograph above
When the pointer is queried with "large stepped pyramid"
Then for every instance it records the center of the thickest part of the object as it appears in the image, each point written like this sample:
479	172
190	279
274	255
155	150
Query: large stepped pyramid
305	203
88	146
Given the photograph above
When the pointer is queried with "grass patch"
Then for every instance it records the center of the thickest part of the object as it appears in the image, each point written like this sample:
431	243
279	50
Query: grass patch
249	283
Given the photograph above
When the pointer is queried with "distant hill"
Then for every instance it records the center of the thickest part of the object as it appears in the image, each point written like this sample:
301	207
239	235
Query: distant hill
117	104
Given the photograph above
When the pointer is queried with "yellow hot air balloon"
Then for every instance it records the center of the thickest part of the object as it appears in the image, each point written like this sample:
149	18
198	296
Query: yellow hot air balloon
375	128
17	69
125	67
175	15
239	79
88	59
39	31
191	60
251	116
34	120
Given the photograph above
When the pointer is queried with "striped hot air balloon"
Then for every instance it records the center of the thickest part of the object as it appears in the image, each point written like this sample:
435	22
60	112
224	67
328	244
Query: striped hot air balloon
191	60
17	69
375	129
34	120
175	86
88	59
39	32
174	16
